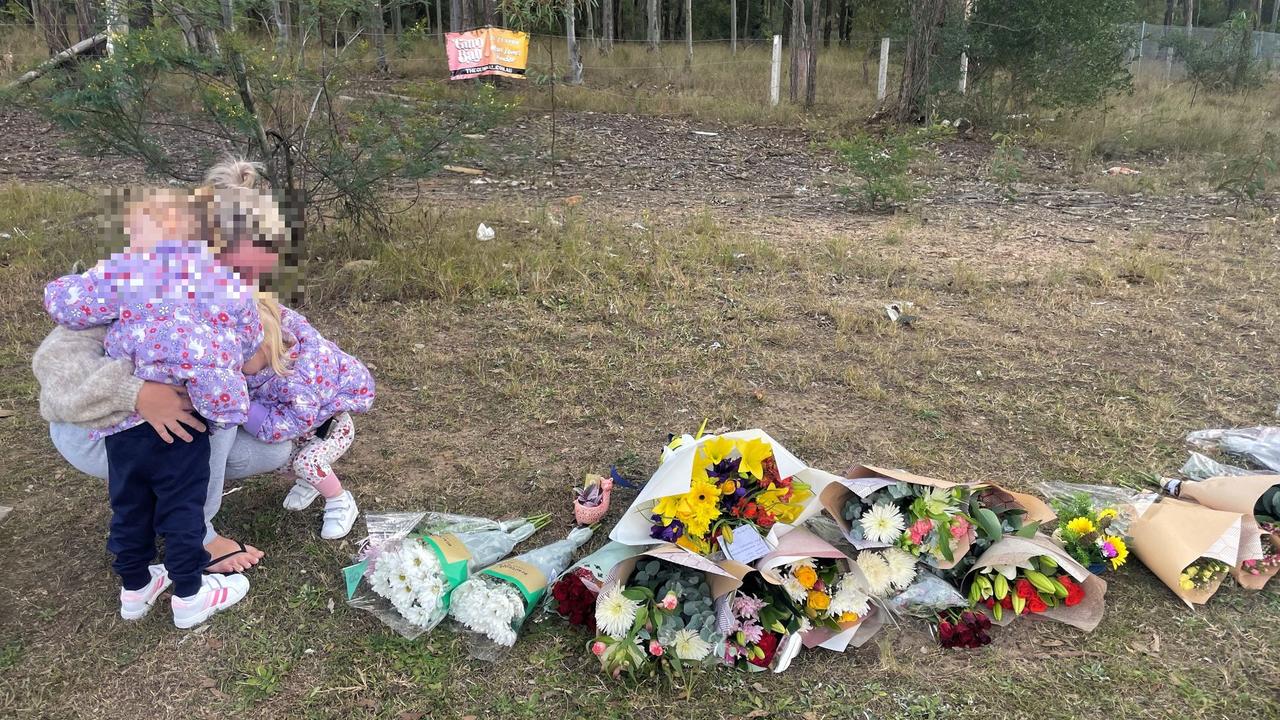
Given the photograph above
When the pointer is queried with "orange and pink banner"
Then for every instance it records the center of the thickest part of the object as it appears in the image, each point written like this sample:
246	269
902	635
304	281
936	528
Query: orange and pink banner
487	51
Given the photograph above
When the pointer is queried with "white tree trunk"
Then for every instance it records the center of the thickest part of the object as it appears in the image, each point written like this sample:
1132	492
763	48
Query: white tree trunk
654	24
575	59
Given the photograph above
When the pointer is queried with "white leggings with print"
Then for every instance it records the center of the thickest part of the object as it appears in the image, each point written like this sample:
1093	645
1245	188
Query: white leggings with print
313	456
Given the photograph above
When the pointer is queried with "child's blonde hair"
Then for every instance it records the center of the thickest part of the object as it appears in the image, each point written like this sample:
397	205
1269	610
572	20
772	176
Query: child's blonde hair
273	334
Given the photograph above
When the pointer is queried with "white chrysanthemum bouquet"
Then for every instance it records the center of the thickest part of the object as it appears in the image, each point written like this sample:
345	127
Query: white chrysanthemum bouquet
417	569
495	602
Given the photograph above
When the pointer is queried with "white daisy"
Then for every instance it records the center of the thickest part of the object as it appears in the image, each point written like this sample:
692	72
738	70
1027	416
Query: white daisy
849	598
688	645
876	570
489	608
793	588
883	523
615	612
902	567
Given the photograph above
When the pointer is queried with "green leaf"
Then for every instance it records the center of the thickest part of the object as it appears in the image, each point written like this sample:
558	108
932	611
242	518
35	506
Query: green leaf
1028	530
988	522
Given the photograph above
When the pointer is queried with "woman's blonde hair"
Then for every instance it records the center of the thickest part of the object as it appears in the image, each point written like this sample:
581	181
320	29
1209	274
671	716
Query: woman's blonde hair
241	209
238	207
273	334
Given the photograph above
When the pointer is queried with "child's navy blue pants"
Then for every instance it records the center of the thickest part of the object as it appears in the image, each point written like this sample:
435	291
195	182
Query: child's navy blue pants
157	489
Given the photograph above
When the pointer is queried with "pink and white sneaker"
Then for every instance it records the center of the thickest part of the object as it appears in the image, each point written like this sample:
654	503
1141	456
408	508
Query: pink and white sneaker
135	604
217	593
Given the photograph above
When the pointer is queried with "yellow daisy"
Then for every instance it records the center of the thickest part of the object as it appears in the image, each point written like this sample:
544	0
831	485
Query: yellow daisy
1081	526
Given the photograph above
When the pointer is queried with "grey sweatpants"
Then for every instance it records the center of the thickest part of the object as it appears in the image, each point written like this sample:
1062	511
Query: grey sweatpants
234	454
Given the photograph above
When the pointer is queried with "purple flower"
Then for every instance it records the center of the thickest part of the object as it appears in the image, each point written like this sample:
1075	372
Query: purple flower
726	469
1108	550
668	533
748	606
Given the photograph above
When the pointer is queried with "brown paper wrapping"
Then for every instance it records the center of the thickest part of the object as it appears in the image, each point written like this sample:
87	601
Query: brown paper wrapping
834	496
1172	534
1013	549
1237	494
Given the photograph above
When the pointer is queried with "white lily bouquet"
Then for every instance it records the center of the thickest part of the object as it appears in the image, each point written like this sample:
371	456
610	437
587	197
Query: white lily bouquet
495	602
412	562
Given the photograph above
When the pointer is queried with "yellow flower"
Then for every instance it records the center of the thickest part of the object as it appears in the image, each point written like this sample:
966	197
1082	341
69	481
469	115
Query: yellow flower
1081	526
689	543
819	600
754	452
807	577
1122	551
1185	583
1108	513
697	509
716	449
849	617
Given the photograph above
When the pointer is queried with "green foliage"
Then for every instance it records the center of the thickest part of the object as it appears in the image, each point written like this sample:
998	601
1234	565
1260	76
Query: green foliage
1245	178
1026	54
1006	163
884	163
262	680
1224	63
324	139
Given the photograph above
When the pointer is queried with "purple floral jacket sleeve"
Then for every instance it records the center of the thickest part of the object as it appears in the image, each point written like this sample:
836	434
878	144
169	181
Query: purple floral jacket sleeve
177	315
322	382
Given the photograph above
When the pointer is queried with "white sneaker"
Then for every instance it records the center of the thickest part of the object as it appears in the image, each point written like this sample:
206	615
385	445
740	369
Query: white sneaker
135	604
217	593
300	496
340	514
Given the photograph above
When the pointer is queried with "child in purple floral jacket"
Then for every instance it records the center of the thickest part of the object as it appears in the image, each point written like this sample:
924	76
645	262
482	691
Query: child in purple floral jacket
183	320
304	388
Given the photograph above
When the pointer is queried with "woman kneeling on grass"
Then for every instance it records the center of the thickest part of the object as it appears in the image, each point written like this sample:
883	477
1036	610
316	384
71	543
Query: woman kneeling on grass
83	390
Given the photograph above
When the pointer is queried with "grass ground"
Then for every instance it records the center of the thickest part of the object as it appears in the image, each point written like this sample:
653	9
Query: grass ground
576	340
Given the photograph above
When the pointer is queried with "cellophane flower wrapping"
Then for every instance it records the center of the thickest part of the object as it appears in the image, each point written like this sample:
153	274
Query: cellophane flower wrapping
411	562
493	604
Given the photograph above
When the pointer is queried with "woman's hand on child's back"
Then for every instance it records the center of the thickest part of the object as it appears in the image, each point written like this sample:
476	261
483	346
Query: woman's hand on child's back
167	408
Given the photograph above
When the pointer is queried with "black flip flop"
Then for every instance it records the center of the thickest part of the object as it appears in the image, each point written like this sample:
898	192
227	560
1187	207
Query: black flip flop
242	551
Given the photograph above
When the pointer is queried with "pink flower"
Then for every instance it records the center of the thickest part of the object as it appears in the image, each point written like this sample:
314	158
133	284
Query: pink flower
920	530
655	649
597	648
960	528
669	602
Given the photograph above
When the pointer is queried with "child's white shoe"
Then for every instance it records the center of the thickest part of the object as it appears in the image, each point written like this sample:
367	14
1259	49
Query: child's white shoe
135	604
300	496
217	593
340	515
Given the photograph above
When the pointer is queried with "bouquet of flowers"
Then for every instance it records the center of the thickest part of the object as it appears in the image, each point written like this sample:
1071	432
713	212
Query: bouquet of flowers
1257	499
823	588
1203	574
963	629
495	602
411	563
1269	564
657	616
714	487
573	594
1033	576
766	627
1087	535
1172	536
941	523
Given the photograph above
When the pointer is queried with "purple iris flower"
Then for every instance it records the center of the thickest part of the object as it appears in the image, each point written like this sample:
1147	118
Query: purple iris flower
668	533
726	469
